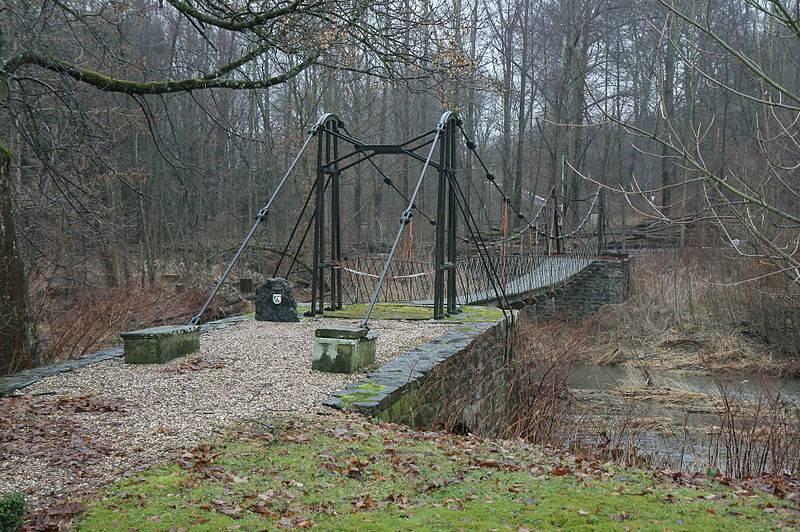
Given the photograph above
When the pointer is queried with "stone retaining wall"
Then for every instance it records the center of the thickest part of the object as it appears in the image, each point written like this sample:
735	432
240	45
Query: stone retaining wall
606	281
457	382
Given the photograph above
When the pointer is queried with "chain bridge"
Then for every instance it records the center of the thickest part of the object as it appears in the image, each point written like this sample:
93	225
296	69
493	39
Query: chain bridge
469	264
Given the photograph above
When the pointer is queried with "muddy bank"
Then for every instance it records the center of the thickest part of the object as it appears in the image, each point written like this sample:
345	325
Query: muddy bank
696	350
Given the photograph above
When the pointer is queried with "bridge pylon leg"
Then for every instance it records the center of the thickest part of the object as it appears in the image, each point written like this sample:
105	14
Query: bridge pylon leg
317	279
332	154
452	221
327	174
446	249
440	228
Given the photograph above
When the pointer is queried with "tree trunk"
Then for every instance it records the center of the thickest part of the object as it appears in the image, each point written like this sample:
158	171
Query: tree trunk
469	165
508	77
18	346
519	163
668	105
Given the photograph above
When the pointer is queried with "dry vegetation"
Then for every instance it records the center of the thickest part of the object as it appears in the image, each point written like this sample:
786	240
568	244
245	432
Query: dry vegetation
78	322
689	311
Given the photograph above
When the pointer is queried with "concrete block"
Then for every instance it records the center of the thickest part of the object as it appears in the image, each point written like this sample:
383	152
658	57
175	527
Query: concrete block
157	345
343	351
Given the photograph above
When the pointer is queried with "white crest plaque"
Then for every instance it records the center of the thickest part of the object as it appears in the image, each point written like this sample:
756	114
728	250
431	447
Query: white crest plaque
277	298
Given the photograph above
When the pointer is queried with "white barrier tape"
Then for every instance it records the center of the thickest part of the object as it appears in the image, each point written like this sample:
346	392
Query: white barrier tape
388	277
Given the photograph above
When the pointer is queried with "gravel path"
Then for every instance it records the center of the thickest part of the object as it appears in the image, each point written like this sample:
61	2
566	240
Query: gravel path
73	433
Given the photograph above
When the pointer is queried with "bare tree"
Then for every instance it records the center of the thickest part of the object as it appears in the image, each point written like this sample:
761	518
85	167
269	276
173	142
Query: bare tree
752	195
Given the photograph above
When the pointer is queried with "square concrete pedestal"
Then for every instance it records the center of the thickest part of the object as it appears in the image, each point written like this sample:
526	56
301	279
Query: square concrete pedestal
160	344
343	349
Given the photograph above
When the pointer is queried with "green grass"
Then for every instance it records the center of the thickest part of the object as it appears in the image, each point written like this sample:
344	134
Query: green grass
347	474
365	392
392	311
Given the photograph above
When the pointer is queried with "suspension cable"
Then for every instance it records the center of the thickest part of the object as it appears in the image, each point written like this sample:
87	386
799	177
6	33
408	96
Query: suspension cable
300	245
491	178
483	254
294	230
529	224
305	233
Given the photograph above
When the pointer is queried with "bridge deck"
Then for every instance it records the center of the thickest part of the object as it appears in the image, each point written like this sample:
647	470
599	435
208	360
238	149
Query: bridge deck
550	271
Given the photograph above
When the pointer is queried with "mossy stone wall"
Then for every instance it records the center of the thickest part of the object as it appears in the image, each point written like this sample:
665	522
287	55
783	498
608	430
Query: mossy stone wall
459	381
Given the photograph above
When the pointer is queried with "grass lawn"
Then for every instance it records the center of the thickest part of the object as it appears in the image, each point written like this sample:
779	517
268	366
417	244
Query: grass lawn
393	311
345	473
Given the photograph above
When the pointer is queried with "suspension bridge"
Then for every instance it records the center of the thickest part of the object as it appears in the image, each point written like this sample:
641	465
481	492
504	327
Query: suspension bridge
467	266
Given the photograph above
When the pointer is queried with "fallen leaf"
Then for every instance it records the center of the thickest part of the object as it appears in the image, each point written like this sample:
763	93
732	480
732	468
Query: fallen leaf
400	500
223	507
263	509
364	502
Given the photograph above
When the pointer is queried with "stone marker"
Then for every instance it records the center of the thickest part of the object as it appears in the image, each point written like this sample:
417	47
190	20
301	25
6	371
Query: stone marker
343	350
160	344
275	301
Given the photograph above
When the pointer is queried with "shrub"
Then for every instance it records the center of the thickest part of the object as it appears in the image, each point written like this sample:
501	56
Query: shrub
12	510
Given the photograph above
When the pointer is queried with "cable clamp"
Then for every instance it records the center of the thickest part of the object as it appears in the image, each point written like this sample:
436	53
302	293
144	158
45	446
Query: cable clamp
262	213
490	176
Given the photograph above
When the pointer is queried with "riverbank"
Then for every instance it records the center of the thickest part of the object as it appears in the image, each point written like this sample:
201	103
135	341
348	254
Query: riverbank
689	398
700	349
740	418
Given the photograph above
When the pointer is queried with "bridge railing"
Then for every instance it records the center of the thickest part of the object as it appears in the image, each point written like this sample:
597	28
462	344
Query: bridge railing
413	281
516	274
405	281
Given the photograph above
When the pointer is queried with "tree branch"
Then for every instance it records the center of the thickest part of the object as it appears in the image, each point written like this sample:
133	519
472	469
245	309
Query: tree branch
109	84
